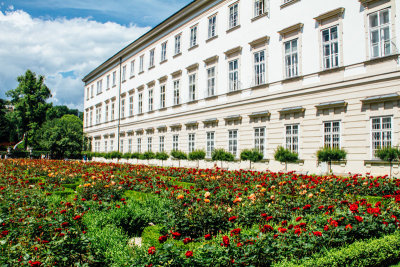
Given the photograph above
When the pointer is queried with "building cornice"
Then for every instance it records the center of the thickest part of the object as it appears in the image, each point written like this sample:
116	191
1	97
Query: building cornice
293	28
333	13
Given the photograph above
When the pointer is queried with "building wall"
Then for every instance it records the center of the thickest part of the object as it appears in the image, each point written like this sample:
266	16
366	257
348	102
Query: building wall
357	78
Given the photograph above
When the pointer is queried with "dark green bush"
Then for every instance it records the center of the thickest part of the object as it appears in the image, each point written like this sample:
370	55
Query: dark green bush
252	155
285	155
222	155
148	155
136	155
197	155
177	154
389	154
126	155
328	154
162	156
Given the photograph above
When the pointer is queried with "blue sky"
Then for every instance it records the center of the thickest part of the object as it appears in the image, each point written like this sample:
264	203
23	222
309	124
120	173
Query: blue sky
64	40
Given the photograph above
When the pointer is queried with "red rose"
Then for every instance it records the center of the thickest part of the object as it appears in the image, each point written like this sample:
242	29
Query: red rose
187	240
326	227
176	235
162	239
207	237
317	233
35	263
189	254
282	230
152	250
267	228
359	218
235	231
307	207
298	219
64	224
232	219
225	241
77	217
63	211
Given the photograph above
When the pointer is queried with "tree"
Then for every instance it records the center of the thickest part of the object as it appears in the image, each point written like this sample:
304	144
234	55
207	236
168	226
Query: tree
222	155
162	156
328	154
55	112
388	154
285	155
4	123
177	154
62	137
197	155
252	155
29	100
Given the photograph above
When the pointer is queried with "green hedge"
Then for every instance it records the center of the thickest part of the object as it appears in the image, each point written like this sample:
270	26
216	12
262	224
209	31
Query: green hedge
373	252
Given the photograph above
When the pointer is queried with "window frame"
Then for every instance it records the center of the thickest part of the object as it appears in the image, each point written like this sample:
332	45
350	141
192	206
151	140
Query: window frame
140	103
233	21
175	142
259	64
192	86
131	110
372	131
139	145
232	83
379	28
141	63
191	142
332	134
290	54
210	143
233	142
291	136
161	144
151	58
211	78
132	74
162	95
193	36
176	83
256	8
178	44
212	26
259	138
151	99
149	144
163	56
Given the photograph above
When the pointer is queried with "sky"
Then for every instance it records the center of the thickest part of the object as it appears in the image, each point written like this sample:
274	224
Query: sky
65	39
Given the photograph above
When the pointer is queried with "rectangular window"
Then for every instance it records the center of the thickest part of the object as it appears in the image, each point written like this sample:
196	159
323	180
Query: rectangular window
86	119
141	63
112	111
178	44
211	81
210	143
106	114
161	147
99	86
379	32
234	75
332	134
91	118
87	93
191	144
193	36
212	23
132	68
131	106
163	51
91	91
176	92
123	73
139	145
98	115
121	146
330	47
140	103
149	144
130	145
259	67
381	133
233	142
259	7
151	60
259	139
233	15
175	142
162	96
108	81
150	99
111	145
292	137
291	58
105	146
114	78
122	108
192	87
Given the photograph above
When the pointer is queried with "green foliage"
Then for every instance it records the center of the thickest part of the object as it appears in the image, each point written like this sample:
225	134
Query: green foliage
388	153
62	137
285	155
162	156
136	155
113	155
328	154
56	112
198	154
150	236
252	155
373	252
148	155
222	155
177	154
127	155
5	123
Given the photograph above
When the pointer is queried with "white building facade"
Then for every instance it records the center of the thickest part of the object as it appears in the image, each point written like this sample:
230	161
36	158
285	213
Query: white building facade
303	74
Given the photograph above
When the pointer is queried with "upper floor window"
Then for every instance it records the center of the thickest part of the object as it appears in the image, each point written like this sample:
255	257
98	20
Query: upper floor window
91	118
141	63
86	118
191	143
234	15
178	44
379	28
332	134
108	81
212	22
150	99
91	91
122	108
330	47
98	115
99	86
112	111
176	92
192	87
259	67
291	58
211	81
292	137
234	75
114	78
163	51
381	133
87	93
123	73
132	68
259	7
140	103
162	96
193	36
131	106
151	60
106	114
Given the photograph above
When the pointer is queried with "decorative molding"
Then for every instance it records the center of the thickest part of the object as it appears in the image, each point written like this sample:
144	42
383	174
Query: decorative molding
140	87
293	28
233	118
262	40
176	73
333	13
211	59
176	125
163	78
191	123
367	2
229	52
289	3
381	98
213	120
192	67
291	110
260	114
151	83
333	104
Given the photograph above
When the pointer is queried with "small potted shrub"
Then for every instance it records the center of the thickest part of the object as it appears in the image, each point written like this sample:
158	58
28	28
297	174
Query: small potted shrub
179	155
328	154
197	155
389	154
252	155
285	155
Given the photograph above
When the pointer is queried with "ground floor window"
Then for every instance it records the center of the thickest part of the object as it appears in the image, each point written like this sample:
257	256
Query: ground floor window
292	137
149	143
130	145
381	133
259	139
332	134
233	142
139	145
161	147
175	142
191	143
210	143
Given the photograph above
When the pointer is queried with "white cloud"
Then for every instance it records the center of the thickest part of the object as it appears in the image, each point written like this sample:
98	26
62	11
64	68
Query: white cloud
52	47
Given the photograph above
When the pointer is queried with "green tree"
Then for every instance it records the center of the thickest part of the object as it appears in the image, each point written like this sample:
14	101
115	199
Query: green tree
162	156
62	137
29	100
285	155
222	155
56	112
252	155
4	123
198	155
180	155
328	155
388	153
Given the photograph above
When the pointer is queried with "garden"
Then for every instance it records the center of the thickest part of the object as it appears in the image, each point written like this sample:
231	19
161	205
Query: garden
72	213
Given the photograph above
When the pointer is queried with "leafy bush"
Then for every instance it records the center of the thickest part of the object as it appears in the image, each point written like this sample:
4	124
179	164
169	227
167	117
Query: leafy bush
148	155
177	154
388	154
222	155
197	155
127	155
115	155
136	155
328	154
285	155
162	156
252	155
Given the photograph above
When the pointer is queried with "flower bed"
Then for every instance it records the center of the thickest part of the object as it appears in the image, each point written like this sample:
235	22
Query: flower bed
203	217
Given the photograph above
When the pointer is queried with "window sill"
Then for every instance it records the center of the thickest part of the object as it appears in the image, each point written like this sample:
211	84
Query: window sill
383	58
233	28
234	92
114	86
192	102
211	97
99	93
211	38
162	62
132	76
162	109
259	16
177	55
334	69
123	81
152	67
177	105
380	163
193	47
141	72
292	79
140	114
150	111
289	3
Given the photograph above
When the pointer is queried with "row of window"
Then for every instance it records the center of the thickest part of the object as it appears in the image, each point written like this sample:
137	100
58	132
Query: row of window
381	136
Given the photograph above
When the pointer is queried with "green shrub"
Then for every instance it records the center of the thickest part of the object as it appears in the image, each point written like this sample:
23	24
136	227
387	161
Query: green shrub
389	154
328	154
285	155
136	155
115	155
127	155
177	154
148	155
150	236
222	155
197	155
252	155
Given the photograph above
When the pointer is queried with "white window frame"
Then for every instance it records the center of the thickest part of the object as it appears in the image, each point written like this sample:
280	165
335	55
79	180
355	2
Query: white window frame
259	7
105	146
330	48
382	137
124	73
233	142
139	145
123	108
233	15
132	68
149	144
163	51
112	111
175	142
233	76
87	93
106	113
151	58
121	146
91	118
131	105
193	35
259	67
108	82
191	142
111	145
140	103
212	26
141	63
178	38
292	136
211	80
382	43
332	134
114	78
260	139
91	91
192	86
162	95
161	147
210	143
151	99
176	92
130	145
291	59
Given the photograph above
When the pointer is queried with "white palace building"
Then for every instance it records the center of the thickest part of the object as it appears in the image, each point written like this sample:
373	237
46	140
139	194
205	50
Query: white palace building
256	74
